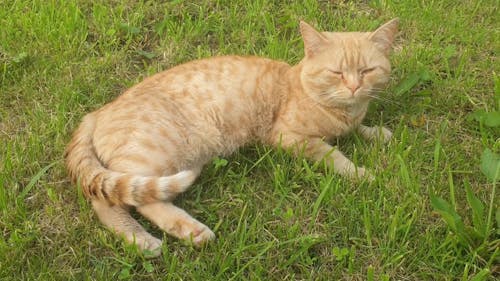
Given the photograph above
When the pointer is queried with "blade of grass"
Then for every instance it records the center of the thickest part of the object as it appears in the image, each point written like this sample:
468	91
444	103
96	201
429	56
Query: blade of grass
33	181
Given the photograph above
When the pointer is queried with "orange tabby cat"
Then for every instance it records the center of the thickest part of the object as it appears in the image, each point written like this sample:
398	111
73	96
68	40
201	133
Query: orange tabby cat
150	144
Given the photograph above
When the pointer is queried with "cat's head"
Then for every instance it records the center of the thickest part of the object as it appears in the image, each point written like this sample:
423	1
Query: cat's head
345	68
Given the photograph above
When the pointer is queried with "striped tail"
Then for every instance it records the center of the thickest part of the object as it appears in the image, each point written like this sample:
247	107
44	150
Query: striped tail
98	182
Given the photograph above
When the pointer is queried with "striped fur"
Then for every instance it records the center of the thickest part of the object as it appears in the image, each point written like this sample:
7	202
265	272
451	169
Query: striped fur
97	182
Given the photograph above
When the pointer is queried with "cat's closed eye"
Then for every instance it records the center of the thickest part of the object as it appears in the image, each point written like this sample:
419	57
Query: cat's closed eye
366	71
336	72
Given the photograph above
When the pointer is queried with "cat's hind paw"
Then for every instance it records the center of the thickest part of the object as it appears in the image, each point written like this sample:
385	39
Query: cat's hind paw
148	244
205	236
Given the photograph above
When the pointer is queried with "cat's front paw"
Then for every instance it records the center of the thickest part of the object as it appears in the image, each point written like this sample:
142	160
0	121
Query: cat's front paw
385	134
375	133
380	133
363	173
357	173
345	167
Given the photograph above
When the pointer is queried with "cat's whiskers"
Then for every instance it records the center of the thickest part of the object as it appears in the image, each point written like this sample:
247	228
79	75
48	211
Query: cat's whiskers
378	90
376	97
335	97
375	94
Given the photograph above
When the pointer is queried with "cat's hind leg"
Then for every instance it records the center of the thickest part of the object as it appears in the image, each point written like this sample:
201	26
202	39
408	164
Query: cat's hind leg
177	222
122	223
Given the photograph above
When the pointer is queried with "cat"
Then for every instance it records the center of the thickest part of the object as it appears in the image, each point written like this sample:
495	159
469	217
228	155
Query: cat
150	144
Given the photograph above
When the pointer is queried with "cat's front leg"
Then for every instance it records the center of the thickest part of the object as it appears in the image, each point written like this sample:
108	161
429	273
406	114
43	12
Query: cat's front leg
318	150
375	133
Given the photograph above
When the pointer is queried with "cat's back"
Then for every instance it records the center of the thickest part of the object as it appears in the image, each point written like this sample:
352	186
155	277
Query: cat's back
218	82
223	89
217	75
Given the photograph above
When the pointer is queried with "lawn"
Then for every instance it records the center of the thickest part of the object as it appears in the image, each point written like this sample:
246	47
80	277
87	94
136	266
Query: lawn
431	214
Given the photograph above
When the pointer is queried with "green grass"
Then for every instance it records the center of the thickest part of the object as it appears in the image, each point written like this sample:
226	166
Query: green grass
275	217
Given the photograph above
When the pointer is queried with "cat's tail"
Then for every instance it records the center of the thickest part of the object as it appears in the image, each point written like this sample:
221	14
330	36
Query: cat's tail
98	182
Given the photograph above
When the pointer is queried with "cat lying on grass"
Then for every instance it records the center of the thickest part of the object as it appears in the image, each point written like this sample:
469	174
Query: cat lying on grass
150	144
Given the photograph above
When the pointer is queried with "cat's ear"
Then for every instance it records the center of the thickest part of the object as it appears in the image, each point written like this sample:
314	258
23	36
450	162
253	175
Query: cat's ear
384	36
313	40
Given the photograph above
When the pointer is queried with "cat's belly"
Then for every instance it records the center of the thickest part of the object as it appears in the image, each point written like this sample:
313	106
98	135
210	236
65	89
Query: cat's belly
150	142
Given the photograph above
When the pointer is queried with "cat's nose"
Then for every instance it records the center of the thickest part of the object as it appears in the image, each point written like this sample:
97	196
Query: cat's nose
353	87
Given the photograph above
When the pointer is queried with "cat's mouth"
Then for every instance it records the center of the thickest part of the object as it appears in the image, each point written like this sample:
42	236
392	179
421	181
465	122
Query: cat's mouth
336	98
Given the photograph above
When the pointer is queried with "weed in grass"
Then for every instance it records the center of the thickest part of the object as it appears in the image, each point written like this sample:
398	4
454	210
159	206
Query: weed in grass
481	238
